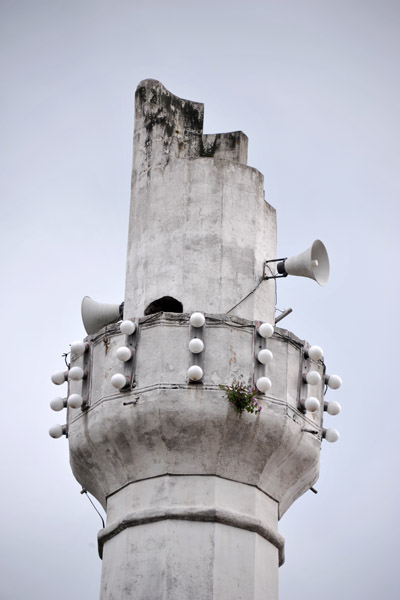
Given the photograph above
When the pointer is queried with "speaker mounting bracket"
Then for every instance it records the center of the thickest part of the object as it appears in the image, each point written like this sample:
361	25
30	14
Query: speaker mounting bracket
280	267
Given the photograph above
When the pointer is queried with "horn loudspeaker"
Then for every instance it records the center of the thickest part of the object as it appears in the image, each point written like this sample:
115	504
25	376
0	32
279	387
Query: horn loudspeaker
96	315
312	263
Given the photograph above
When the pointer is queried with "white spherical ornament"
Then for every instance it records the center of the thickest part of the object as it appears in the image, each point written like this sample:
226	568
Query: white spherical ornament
266	330
197	319
58	378
313	377
312	404
334	382
196	345
195	373
331	435
75	374
57	404
118	381
265	356
124	353
78	348
315	352
263	384
127	327
75	401
56	431
333	408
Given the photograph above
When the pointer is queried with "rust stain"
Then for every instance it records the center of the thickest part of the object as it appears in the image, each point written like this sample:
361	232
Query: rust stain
106	343
232	360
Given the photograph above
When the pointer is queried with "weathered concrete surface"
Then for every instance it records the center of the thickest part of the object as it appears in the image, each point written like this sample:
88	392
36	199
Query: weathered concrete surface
200	229
179	466
208	519
183	428
189	561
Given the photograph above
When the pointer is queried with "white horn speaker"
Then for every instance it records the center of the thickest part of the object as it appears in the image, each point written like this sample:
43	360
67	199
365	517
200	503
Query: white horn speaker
312	263
96	315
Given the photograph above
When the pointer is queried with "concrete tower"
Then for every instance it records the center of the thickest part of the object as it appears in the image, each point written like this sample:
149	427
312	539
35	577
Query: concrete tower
193	489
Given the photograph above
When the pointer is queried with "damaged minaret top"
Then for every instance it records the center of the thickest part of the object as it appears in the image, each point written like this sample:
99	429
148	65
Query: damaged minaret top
202	239
195	422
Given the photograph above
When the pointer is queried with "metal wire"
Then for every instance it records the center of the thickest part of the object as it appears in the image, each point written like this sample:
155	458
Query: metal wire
245	298
65	359
91	502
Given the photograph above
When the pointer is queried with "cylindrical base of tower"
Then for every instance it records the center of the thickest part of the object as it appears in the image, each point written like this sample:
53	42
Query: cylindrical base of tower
190	537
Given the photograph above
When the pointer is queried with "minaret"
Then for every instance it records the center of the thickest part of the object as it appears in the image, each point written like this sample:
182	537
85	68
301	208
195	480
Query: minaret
194	484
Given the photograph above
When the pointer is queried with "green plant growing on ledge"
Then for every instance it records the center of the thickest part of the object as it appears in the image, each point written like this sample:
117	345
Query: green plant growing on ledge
242	397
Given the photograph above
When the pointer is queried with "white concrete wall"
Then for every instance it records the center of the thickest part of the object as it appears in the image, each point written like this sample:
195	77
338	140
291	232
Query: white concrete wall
181	557
189	561
200	229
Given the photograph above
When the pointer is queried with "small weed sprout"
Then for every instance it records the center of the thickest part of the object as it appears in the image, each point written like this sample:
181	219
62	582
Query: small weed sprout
242	397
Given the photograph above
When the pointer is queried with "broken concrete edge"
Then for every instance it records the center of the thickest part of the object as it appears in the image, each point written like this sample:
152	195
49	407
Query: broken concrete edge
183	119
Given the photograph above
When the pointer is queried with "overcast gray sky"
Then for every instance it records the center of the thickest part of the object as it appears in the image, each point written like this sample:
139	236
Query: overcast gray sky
315	86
